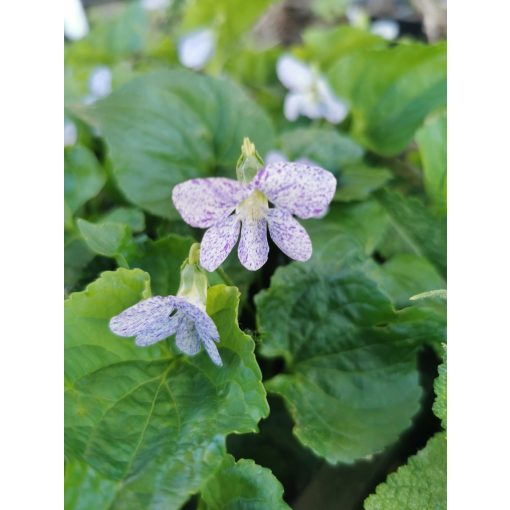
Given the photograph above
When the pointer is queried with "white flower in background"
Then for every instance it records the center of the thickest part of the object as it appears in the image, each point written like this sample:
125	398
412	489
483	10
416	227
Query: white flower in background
196	48
70	133
155	5
309	94
100	84
359	18
75	20
387	28
279	157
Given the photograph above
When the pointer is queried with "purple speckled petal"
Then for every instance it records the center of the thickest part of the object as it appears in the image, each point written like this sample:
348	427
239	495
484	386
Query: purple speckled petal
150	315
203	323
289	235
212	351
303	190
187	339
218	242
253	247
204	202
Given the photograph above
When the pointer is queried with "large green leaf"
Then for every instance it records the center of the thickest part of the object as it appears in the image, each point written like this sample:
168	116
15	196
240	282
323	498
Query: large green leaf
391	91
419	485
151	418
107	239
415	229
431	139
83	176
169	126
242	485
350	382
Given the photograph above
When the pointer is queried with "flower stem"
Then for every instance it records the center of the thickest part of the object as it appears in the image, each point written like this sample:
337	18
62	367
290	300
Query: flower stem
224	276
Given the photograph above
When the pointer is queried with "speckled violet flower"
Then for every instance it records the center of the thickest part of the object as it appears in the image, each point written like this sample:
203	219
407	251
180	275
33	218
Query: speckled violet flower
309	94
227	208
184	316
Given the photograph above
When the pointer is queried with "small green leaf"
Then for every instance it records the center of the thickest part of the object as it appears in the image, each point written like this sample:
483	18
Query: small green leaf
431	139
351	383
105	239
130	216
83	176
77	255
391	92
151	418
419	485
439	406
179	125
416	229
241	485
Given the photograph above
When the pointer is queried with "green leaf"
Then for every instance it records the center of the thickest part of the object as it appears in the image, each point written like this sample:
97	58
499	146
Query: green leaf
405	275
169	126
242	485
328	46
359	180
130	216
151	418
419	485
431	139
439	406
417	230
391	91
105	239
85	488
347	233
324	146
77	256
162	259
350	382
83	176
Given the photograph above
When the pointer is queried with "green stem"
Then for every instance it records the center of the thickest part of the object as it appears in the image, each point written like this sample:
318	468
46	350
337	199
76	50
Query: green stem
224	276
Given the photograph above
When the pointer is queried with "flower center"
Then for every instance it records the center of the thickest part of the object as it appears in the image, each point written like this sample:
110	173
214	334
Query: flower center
254	207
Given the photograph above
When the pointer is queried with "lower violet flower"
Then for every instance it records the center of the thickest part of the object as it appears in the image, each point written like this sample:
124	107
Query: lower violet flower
184	316
295	189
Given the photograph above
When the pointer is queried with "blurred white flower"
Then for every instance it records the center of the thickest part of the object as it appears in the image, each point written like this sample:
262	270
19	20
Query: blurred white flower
155	5
387	28
100	84
357	16
70	133
196	48
279	157
309	94
75	20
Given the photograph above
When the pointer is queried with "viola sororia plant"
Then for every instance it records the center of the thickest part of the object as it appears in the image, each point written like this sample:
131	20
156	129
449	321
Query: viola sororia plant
255	259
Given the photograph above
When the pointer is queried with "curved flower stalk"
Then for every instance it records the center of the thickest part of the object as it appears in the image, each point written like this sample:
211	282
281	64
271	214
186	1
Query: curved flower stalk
309	94
183	315
231	209
196	48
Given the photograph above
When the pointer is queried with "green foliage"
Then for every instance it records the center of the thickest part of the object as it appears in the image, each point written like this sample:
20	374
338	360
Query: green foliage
242	485
419	485
391	91
439	406
431	139
83	177
417	230
351	383
139	416
180	125
106	239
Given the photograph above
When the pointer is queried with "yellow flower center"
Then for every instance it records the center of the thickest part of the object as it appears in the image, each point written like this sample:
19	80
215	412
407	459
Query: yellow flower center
254	207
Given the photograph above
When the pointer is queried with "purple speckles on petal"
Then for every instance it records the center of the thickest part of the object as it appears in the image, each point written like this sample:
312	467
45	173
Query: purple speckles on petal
289	235
152	320
303	190
204	202
253	246
218	242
